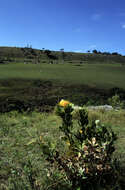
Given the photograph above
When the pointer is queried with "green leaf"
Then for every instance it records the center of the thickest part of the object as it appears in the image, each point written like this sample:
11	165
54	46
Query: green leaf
32	141
78	188
45	149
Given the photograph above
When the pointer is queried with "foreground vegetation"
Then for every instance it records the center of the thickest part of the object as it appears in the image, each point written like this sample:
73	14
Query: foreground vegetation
22	164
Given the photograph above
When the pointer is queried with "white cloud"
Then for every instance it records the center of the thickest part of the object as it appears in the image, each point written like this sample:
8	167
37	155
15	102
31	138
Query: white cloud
96	17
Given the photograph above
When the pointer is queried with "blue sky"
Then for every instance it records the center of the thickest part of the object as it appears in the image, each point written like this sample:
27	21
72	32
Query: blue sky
75	25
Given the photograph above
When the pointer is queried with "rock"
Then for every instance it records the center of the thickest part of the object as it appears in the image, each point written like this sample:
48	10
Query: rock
104	107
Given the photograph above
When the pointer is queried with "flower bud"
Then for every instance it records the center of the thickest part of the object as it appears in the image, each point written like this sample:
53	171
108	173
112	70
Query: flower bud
97	122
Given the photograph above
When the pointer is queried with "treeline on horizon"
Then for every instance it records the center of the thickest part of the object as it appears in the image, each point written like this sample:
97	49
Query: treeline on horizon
29	54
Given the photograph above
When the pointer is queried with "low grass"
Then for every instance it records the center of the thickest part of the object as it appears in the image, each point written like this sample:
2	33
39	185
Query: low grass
95	75
116	120
42	85
22	164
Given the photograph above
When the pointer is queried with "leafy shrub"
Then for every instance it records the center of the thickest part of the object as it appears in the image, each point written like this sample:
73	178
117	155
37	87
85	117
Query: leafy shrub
115	102
87	160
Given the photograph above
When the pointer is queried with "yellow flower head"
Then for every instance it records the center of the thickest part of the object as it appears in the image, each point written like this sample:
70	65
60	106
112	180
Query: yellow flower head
64	103
80	131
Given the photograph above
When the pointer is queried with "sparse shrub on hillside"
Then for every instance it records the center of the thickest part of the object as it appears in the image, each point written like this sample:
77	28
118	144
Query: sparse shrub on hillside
95	51
87	159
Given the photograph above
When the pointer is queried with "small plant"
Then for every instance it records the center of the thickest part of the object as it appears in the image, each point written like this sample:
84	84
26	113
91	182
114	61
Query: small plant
24	178
87	160
115	102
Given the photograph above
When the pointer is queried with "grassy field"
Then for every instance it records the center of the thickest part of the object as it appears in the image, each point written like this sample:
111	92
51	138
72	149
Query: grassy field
21	159
95	75
42	85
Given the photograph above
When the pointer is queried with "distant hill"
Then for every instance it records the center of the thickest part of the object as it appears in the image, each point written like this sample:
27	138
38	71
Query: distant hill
28	54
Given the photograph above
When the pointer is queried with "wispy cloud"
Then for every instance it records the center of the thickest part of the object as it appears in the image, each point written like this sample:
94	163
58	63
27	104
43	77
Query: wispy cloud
123	26
96	17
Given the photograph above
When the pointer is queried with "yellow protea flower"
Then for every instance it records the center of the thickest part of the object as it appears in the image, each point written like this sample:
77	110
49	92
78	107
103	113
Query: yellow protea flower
80	131
64	103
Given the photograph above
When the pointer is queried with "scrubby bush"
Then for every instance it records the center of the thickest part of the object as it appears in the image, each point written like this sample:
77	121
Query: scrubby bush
86	162
115	102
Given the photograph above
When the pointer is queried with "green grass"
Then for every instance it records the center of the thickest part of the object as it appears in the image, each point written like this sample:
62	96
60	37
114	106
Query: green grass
21	153
116	120
95	75
16	131
42	85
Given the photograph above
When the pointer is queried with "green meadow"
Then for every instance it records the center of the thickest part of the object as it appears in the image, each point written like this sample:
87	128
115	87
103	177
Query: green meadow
43	85
96	75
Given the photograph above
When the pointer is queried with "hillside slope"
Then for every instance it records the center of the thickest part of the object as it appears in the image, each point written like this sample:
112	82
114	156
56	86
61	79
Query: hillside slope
28	54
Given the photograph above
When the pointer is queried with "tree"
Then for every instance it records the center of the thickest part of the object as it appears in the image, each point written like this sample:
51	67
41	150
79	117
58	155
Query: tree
62	53
95	51
62	49
115	53
47	52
